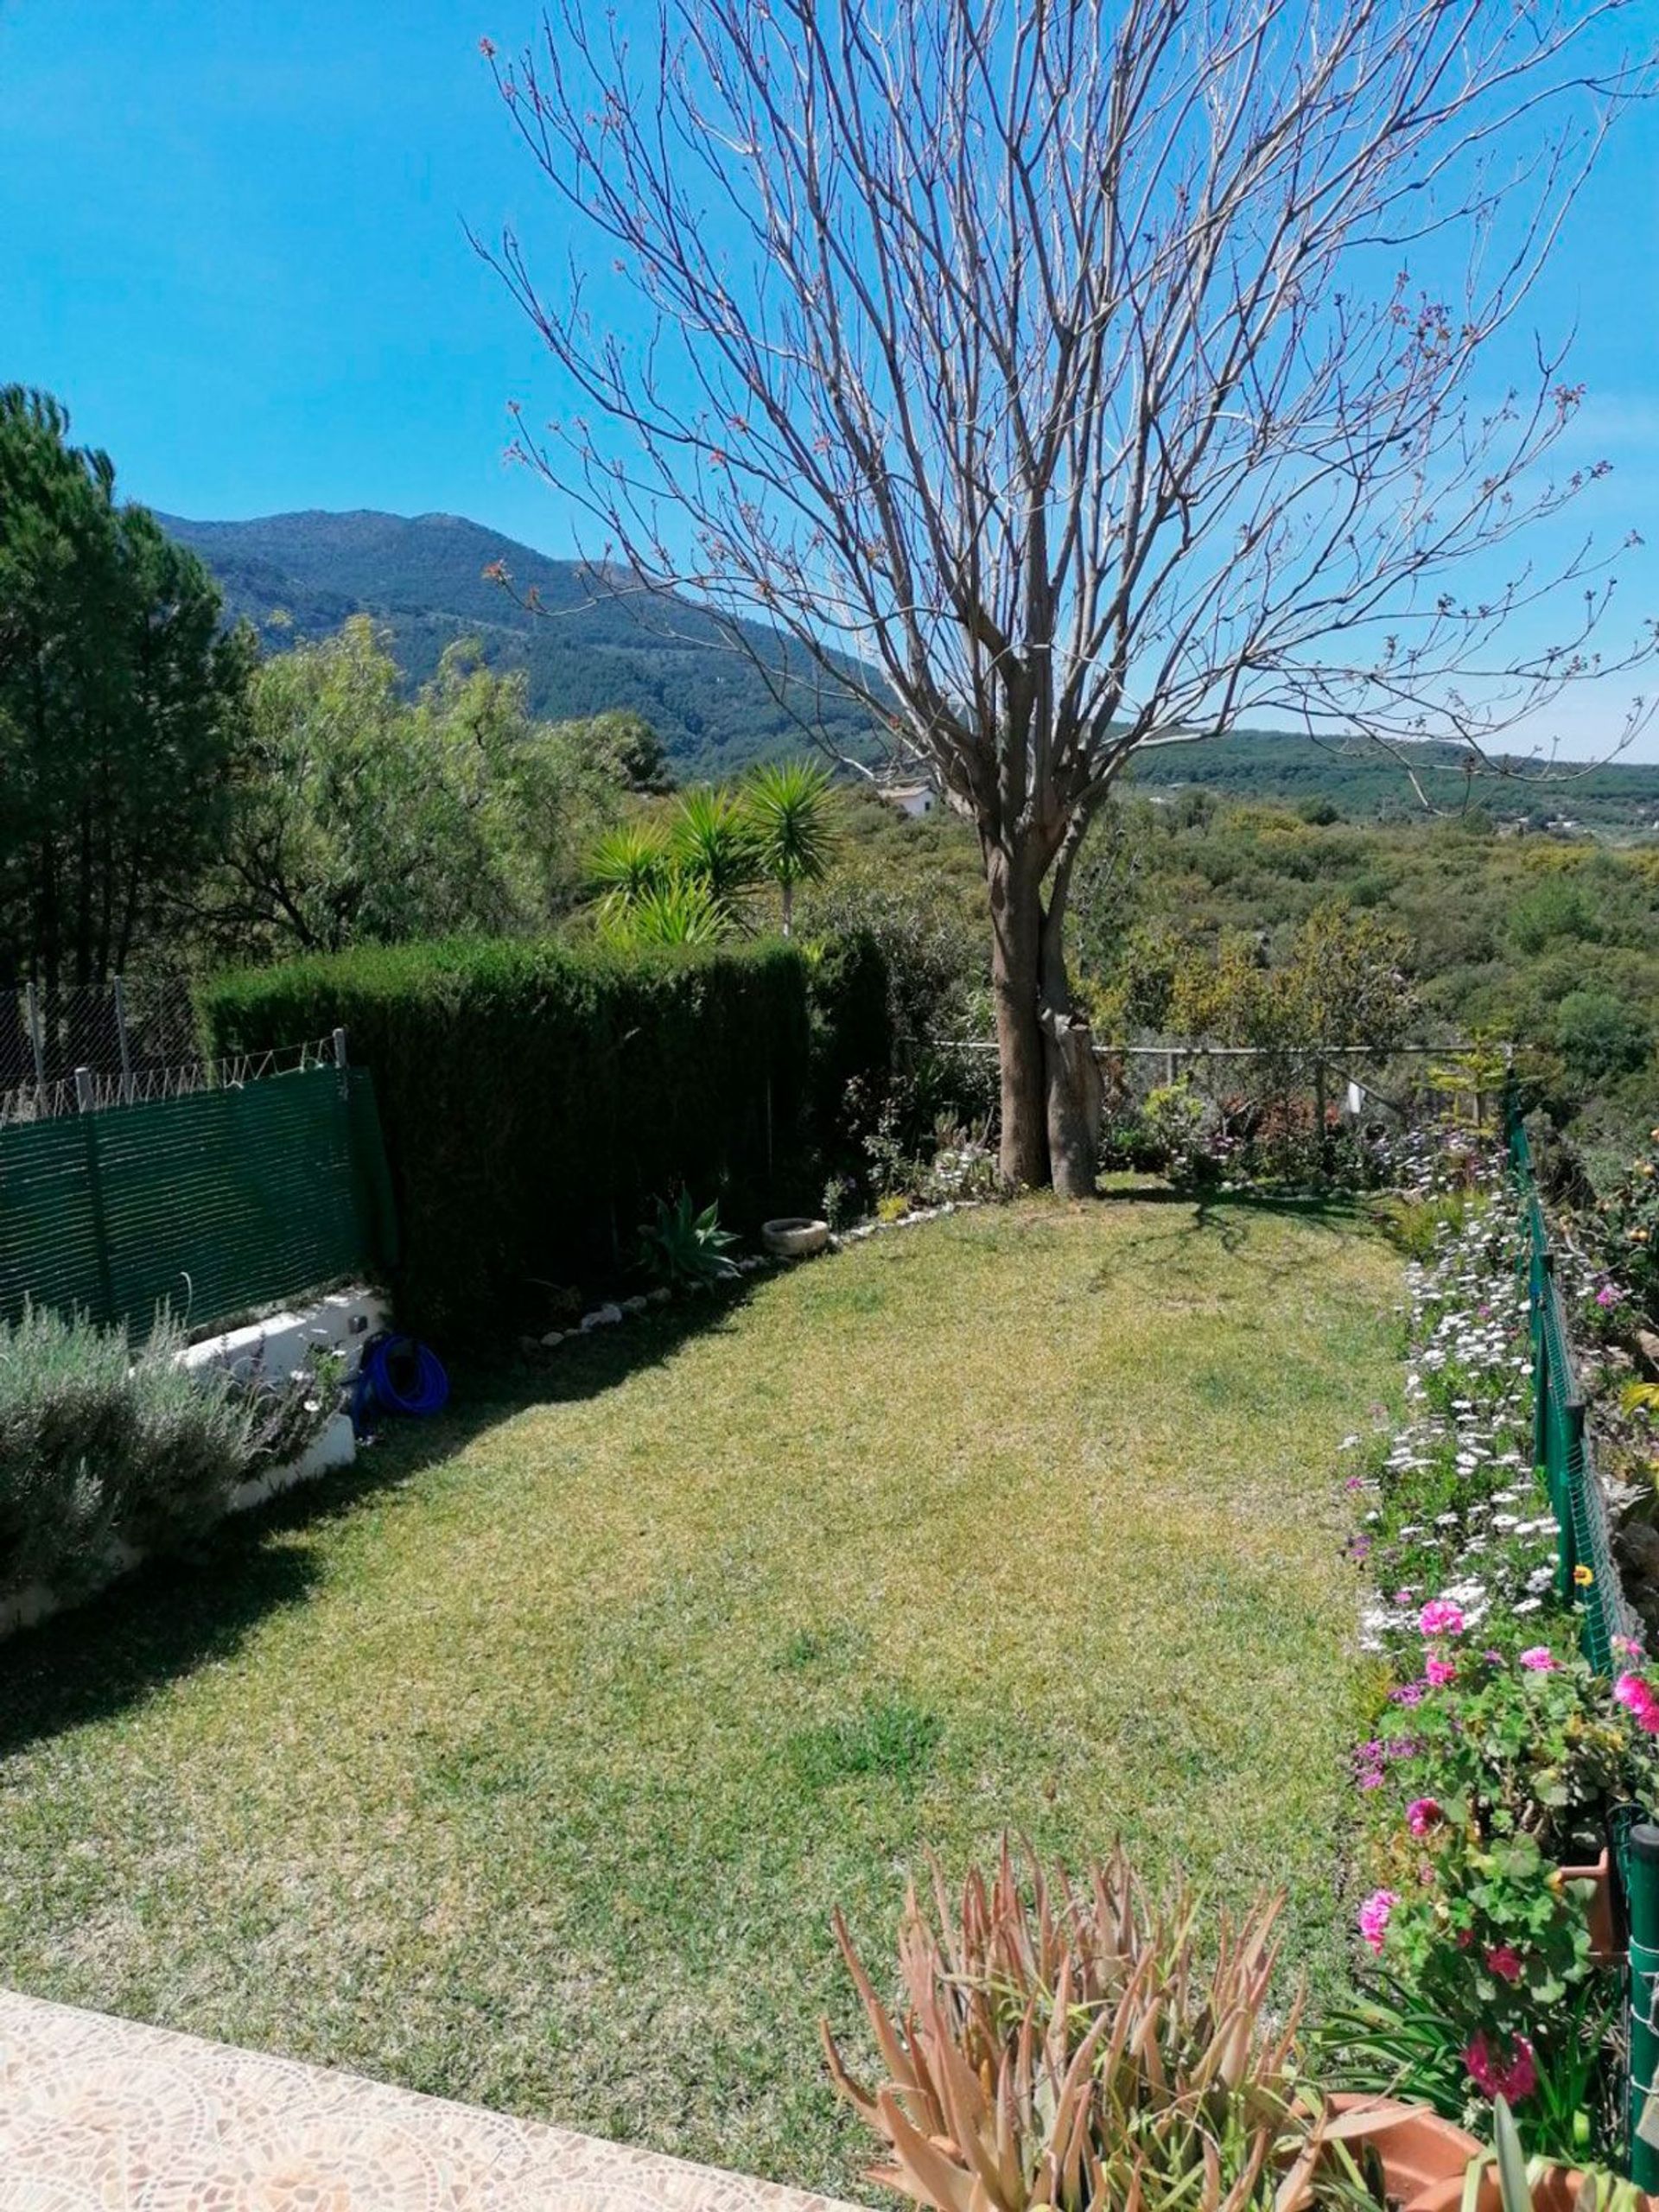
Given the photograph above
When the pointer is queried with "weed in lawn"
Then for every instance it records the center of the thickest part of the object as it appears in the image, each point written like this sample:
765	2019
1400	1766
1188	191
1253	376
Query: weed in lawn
891	1737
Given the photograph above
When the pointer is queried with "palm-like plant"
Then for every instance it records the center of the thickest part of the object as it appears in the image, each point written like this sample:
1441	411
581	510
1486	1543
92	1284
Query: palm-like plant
678	911
710	842
628	864
787	806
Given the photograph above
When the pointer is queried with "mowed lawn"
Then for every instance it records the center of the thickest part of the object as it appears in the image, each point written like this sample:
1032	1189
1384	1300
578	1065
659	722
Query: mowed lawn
526	1764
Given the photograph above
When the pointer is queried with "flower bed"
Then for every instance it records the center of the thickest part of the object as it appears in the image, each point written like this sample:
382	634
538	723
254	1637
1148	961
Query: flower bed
1498	1759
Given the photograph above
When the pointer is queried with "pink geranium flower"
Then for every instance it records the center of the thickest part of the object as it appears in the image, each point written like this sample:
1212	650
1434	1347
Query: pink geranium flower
1540	1660
1633	1693
1374	1916
1513	2076
1505	1962
1422	1815
1440	1672
1440	1616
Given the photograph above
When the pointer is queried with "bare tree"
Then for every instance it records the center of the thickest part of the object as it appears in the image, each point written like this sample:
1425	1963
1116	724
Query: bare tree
1063	377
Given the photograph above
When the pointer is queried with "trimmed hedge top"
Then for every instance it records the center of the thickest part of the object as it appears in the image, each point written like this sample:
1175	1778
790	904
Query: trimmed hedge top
536	1096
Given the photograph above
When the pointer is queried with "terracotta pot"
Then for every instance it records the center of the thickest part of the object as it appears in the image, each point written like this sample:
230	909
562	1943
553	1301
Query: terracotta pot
1556	2189
1424	2157
1607	1940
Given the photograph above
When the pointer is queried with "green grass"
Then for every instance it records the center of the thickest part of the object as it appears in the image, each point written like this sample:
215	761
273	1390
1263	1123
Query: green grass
526	1764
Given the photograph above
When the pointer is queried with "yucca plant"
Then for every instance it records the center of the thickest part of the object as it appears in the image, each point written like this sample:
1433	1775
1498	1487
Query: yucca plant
1068	2047
711	844
674	912
628	864
786	804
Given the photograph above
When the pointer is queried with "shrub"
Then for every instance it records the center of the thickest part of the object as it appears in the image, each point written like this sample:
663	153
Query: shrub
535	1096
1068	2047
898	978
99	1450
1600	1037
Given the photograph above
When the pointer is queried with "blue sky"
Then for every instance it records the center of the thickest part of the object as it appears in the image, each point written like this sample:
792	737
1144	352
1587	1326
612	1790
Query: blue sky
231	239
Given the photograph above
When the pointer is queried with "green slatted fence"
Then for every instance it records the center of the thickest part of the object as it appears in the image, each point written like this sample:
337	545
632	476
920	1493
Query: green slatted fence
212	1203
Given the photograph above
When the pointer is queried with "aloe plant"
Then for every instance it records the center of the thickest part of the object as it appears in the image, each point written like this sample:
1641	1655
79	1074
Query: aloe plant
1068	2047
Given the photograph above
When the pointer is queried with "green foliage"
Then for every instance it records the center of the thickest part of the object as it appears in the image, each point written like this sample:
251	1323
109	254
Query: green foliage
1362	781
1173	1115
899	973
99	1450
1342	980
628	863
535	1096
683	1248
1600	1037
688	877
1627	1224
119	709
1388	2041
364	816
679	912
1502	932
711	844
1415	1226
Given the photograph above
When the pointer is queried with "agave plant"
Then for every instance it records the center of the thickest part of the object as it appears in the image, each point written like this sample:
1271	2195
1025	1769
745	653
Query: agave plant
1067	2047
786	805
682	1248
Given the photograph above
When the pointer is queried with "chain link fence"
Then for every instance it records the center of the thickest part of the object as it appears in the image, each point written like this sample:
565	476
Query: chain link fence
99	1044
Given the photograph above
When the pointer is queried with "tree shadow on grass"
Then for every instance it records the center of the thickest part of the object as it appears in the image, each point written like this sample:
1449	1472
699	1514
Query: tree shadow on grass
195	1608
1225	1215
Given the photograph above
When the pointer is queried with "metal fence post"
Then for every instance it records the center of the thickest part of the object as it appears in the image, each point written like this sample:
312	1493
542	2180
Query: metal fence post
86	1102
1641	1870
37	1041
122	1045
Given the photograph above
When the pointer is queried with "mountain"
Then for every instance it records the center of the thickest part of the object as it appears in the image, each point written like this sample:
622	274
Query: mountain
1364	783
590	646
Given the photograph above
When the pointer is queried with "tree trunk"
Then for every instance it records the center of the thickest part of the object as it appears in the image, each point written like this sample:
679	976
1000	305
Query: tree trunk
1016	945
1076	1094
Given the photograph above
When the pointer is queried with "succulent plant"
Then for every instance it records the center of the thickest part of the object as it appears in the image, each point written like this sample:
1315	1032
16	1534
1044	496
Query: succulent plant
1067	2045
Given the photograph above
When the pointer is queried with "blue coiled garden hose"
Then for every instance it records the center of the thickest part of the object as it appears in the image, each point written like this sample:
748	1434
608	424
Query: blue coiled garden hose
399	1376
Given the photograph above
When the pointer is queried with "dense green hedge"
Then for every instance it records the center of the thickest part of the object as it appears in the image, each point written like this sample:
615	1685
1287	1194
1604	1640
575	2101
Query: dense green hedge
535	1097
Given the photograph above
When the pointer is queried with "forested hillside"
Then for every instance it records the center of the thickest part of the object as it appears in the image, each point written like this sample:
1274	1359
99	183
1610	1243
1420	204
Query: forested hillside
1550	941
586	647
1362	781
591	648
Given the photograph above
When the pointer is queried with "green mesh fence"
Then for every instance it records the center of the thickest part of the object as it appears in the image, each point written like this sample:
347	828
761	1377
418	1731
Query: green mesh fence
1562	1452
212	1204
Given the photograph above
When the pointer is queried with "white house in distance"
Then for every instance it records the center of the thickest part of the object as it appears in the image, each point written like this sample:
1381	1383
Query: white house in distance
912	795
